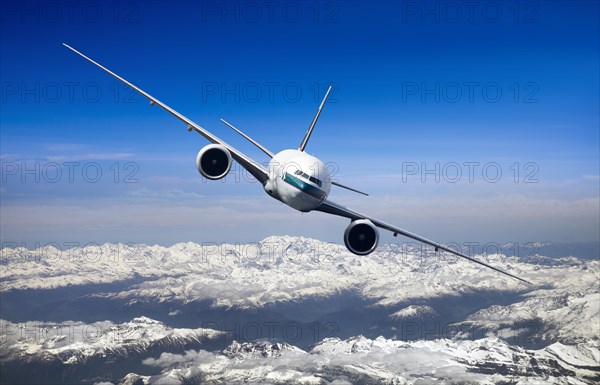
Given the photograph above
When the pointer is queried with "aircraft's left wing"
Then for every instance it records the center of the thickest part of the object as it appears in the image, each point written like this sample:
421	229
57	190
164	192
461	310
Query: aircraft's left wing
333	208
254	168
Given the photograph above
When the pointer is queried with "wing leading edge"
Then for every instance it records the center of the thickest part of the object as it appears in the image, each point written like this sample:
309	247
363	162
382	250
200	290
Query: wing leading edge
253	167
333	208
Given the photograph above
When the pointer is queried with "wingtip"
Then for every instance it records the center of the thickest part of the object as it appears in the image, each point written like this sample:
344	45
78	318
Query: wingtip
521	279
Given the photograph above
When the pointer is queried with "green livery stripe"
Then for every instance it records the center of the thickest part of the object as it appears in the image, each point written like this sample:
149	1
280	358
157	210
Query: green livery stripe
304	187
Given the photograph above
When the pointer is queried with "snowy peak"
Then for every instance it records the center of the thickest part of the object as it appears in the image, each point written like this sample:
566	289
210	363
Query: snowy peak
366	361
414	312
258	349
77	342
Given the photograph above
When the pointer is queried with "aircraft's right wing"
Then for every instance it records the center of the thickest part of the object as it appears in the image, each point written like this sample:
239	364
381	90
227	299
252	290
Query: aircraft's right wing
253	167
333	208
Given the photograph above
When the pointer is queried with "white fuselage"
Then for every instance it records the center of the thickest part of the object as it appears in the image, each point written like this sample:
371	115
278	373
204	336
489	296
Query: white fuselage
298	179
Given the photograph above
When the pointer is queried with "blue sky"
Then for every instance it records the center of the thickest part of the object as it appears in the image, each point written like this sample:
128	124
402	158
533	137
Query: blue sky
498	100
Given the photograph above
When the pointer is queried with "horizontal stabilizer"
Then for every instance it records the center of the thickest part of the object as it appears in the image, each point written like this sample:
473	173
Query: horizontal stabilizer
261	147
349	188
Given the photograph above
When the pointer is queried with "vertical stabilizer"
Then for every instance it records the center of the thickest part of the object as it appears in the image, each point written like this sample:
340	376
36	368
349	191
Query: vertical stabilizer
314	121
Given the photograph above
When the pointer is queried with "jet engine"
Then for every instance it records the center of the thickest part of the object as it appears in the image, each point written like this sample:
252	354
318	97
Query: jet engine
213	161
361	237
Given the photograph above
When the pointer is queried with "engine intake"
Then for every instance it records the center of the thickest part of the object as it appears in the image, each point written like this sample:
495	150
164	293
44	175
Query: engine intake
213	161
361	237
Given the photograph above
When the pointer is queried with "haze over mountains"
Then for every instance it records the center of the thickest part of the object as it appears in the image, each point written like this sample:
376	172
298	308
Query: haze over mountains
294	310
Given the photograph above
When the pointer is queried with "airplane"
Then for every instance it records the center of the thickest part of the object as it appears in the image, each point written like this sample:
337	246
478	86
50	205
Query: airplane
293	177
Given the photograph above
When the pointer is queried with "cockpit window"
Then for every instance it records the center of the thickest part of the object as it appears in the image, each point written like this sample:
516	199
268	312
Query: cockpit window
308	177
316	181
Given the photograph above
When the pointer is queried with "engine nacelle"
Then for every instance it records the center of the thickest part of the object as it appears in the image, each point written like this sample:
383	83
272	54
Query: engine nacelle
361	237
213	161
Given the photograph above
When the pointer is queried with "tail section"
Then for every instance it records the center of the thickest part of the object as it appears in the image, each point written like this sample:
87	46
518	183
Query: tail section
314	121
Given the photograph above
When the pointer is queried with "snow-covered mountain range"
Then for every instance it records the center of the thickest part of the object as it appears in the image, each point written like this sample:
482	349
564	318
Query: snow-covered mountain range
304	311
360	360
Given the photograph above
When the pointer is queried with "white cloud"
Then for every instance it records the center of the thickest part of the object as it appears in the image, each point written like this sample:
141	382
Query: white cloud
171	360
